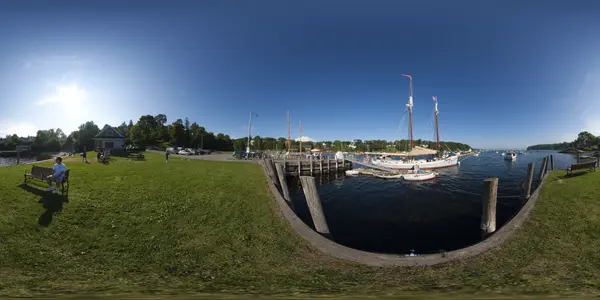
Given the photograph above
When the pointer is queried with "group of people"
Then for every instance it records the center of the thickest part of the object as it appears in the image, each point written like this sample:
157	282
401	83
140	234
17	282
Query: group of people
102	154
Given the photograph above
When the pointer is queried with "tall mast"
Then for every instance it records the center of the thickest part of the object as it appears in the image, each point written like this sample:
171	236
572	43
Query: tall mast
437	128
300	150
410	106
289	143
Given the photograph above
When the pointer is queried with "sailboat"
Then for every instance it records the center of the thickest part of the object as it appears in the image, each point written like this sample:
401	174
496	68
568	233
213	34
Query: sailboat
408	161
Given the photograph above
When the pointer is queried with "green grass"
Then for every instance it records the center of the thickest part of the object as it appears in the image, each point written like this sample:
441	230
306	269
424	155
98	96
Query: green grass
188	227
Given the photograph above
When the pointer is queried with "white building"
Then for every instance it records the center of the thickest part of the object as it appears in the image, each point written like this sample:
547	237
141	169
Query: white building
110	138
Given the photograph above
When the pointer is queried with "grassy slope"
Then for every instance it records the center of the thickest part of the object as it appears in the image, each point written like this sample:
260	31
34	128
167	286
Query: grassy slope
202	226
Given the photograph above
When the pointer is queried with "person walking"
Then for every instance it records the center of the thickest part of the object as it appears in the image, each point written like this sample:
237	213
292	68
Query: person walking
84	155
167	156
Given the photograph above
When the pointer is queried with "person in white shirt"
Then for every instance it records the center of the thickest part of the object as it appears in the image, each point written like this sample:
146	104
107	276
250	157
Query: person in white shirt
58	173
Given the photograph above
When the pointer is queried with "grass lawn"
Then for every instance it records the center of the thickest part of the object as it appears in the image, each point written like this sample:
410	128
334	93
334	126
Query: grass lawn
183	227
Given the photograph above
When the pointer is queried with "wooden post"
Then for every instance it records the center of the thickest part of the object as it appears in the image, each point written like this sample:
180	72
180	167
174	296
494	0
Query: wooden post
283	184
336	164
321	164
529	180
488	217
543	167
328	165
552	162
299	165
311	165
314	204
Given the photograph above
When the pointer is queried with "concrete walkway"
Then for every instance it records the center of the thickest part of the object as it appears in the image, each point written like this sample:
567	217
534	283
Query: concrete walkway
227	157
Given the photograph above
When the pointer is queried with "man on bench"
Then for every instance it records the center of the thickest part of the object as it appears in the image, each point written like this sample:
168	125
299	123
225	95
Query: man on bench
58	173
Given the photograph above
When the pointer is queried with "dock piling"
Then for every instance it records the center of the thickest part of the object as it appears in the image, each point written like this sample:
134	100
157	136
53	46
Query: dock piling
283	185
488	217
321	164
336	164
529	180
311	165
314	204
328	165
543	167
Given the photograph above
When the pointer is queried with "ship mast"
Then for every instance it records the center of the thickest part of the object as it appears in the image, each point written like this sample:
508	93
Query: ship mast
289	133
437	128
410	106
300	150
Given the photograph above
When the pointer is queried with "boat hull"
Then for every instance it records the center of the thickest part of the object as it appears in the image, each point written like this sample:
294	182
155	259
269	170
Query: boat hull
423	165
419	176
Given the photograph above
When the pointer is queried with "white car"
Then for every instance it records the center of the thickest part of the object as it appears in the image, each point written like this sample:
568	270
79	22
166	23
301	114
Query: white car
183	152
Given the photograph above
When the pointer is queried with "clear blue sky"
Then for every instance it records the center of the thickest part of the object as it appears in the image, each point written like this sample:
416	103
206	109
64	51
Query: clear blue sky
506	73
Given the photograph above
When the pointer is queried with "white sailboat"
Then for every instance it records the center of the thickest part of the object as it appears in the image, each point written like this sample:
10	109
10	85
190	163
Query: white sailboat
407	161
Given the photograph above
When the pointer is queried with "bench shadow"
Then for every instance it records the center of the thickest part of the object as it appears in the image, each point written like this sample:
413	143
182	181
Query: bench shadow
567	176
53	203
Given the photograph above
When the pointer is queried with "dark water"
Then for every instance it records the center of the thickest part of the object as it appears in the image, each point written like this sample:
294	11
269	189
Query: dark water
394	216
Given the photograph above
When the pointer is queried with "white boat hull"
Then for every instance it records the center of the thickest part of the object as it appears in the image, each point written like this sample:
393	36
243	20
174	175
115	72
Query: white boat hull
388	176
352	172
419	176
421	164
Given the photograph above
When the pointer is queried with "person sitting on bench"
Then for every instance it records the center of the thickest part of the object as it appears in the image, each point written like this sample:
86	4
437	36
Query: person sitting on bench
58	173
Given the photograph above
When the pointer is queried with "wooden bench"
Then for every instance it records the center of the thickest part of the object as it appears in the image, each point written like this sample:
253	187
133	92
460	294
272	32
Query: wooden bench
136	156
42	174
591	166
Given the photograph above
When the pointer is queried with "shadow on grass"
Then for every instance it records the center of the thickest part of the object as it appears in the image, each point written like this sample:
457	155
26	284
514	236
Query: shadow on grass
53	203
567	176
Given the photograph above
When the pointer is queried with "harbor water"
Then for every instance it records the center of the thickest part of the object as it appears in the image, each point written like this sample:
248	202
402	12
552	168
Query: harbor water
398	217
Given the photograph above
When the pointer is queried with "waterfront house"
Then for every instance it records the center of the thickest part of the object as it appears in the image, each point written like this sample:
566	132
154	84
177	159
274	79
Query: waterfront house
110	138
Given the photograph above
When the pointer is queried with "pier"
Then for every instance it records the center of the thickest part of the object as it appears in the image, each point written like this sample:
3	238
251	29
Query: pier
303	166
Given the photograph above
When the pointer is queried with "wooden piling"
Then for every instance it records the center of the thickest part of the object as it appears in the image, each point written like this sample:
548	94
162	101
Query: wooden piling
552	162
314	204
529	180
283	184
336	164
488	217
328	165
321	164
543	167
299	165
311	165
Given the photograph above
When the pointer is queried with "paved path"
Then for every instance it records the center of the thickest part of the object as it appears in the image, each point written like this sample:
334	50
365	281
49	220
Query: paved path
228	157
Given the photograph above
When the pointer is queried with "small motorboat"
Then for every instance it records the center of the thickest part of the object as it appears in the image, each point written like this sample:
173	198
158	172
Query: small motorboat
510	156
419	175
353	172
388	175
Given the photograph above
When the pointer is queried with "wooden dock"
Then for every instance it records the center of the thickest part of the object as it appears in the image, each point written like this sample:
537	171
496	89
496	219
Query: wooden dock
298	167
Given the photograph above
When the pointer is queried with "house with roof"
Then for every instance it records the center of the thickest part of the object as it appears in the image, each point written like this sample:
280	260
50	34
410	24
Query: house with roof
110	138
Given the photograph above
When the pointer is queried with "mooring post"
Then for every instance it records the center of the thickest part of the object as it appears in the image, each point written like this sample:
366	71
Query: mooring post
328	165
314	204
552	161
488	217
529	180
299	165
321	163
283	184
311	165
543	167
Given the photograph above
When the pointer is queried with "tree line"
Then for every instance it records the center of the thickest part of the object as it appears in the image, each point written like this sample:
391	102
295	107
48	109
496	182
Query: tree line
153	131
584	141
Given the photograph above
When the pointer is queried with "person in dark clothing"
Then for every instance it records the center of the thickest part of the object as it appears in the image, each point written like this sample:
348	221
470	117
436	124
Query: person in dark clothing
167	156
84	155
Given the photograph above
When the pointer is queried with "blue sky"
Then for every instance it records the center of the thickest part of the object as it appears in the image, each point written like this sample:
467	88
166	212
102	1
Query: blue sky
506	73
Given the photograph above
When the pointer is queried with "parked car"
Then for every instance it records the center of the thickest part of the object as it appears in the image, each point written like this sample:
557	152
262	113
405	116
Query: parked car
183	152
